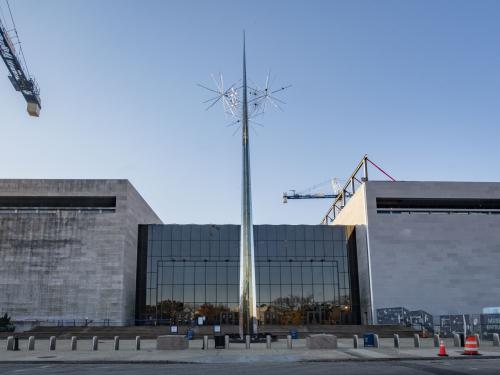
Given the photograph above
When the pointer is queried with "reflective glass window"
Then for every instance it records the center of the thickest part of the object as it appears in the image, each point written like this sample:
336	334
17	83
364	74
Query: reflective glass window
317	275
211	291
233	275
199	274
274	273
264	294
199	294
263	271
156	248
307	273
222	294
176	248
211	274
188	293
178	274
166	249
286	276
189	274
275	293
214	249
224	249
178	293
232	294
296	274
297	291
221	273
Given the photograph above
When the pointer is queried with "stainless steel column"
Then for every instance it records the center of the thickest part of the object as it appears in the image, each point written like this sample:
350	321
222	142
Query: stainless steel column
248	304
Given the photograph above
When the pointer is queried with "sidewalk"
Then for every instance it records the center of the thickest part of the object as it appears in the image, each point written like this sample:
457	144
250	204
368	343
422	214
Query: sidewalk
235	354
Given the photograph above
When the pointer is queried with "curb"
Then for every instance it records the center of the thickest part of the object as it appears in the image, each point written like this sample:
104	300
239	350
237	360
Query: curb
31	362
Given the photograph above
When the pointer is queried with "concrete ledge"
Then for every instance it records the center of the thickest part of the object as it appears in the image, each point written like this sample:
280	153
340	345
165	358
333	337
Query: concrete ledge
322	341
172	342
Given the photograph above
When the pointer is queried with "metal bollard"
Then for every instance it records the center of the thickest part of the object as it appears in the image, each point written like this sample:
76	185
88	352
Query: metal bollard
416	340
31	343
478	339
268	341
116	345
355	341
436	341
496	339
226	341
289	341
376	341
247	341
95	343
456	340
396	340
74	341
52	343
10	343
205	342
137	342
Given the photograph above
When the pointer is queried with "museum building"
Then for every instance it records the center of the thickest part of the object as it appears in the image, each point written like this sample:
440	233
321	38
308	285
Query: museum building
95	251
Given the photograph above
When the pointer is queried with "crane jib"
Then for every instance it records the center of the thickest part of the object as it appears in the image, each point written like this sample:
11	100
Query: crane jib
19	79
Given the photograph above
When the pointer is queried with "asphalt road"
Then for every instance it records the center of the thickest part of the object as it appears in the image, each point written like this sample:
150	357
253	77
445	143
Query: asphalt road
441	367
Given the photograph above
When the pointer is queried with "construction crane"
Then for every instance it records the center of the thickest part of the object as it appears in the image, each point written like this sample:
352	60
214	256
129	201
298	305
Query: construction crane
305	194
341	193
19	74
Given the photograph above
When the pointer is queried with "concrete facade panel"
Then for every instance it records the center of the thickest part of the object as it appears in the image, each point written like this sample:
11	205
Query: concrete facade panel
70	264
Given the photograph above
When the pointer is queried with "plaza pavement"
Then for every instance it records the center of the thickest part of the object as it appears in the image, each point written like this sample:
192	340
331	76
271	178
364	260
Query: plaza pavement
235	354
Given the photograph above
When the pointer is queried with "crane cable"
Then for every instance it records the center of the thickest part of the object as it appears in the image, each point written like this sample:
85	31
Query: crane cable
2	17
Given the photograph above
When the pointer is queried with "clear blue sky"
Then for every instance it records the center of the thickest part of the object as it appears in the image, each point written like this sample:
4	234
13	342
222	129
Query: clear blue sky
415	84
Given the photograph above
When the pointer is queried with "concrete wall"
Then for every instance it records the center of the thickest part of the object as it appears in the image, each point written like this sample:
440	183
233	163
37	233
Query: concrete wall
355	210
440	263
355	214
67	264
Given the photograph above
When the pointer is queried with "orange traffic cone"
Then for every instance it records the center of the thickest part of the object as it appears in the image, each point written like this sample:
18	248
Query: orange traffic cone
442	349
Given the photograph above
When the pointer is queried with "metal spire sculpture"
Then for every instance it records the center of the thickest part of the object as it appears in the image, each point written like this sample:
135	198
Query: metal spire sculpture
253	103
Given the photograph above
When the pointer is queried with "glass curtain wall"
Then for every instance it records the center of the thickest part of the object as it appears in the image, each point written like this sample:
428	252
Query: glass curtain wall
191	271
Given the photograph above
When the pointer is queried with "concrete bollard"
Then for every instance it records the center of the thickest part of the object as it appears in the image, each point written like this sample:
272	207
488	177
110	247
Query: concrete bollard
137	342
52	343
247	341
496	339
74	341
205	342
268	341
376	341
95	343
289	341
10	343
416	340
396	340
226	341
436	341
31	343
116	344
16	343
478	339
355	341
456	340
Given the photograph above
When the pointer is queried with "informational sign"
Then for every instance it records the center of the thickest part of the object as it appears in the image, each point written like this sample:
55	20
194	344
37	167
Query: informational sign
173	329
201	319
216	329
490	323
